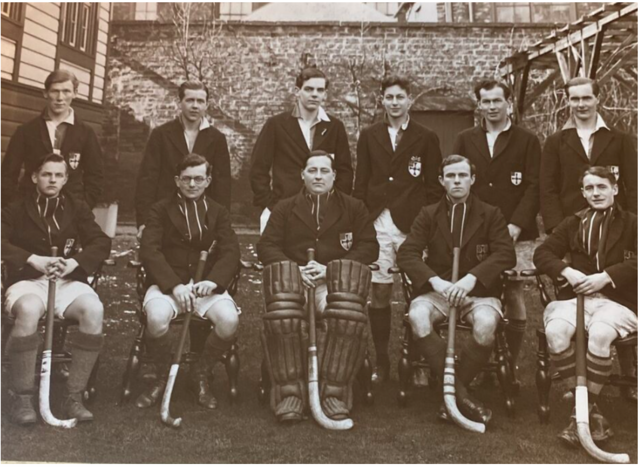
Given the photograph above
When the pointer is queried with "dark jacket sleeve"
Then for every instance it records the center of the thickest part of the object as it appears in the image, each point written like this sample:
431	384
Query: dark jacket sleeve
344	178
365	244
550	203
363	168
434	159
11	165
548	257
220	188
410	253
148	176
630	172
15	257
228	251
151	255
502	254
93	178
625	274
261	163
524	215
96	245
271	244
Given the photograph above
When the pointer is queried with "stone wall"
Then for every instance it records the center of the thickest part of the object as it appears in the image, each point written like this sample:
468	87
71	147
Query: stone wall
252	69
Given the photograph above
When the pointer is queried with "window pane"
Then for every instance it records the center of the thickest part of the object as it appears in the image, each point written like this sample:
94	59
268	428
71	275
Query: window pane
522	13
551	13
504	14
234	10
84	28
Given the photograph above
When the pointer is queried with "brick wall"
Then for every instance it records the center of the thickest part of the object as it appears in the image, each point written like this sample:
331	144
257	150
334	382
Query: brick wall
252	77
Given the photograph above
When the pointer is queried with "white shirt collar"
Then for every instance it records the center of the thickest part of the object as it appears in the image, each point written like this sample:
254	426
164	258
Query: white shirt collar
600	123
204	123
70	119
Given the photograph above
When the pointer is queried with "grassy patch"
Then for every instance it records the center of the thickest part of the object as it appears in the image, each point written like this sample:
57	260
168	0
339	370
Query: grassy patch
248	433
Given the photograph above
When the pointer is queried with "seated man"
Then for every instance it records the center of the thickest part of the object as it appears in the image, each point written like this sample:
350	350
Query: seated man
30	227
461	220
602	241
338	227
177	229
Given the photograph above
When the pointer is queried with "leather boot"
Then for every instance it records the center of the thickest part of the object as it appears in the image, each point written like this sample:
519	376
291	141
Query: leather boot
22	411
151	395
200	385
73	407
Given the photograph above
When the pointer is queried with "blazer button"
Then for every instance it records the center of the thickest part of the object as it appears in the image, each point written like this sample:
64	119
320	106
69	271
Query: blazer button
490	184
390	179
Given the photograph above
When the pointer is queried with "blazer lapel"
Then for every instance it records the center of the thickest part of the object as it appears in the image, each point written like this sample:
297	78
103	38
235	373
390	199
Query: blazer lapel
442	219
177	219
32	212
176	136
68	215
295	133
320	133
615	231
601	140
204	139
409	137
302	210
574	142
479	139
475	218
501	143
209	236
334	213
382	135
44	135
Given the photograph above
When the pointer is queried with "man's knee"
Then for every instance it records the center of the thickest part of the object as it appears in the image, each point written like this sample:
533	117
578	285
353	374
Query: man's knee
484	324
88	311
225	318
422	317
27	310
600	338
159	314
559	335
381	295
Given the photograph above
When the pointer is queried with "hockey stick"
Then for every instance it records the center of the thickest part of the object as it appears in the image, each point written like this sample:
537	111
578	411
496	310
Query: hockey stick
314	391
45	373
449	380
582	396
175	366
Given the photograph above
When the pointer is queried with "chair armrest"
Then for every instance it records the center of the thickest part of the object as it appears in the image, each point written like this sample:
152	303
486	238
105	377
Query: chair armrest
529	273
134	264
510	274
374	267
109	262
394	270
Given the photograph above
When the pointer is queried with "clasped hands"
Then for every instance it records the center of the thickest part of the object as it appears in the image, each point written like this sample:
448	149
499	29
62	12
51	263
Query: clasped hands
457	293
53	267
186	295
583	284
312	273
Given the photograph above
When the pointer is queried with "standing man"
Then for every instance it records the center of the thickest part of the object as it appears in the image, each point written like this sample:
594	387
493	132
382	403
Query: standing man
397	174
584	141
170	143
602	241
459	220
179	227
30	227
339	229
57	130
507	160
286	140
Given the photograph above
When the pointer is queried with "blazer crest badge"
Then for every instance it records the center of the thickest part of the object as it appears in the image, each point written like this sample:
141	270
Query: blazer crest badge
346	240
74	160
482	251
516	178
415	166
615	170
68	247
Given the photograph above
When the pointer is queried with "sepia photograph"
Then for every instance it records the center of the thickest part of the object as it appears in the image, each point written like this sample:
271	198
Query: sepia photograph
319	232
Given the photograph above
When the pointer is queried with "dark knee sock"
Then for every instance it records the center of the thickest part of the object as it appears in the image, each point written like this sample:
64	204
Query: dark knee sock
160	349
434	349
22	352
598	371
85	350
515	334
473	359
565	364
626	358
214	349
380	321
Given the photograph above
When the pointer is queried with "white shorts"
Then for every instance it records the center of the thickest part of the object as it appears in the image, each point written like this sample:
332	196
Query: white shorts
470	304
264	218
597	309
390	238
66	293
524	253
202	305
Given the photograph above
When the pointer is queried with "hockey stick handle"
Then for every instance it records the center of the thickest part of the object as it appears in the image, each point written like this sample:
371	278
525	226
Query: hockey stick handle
165	412
582	394
449	379
314	389
45	373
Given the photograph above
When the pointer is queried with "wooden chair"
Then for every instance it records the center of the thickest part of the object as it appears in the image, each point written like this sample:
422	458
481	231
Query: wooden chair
410	363
544	377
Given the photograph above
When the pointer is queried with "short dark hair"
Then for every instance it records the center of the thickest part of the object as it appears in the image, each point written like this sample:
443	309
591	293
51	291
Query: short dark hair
311	72
454	159
396	80
51	157
61	76
192	160
320	153
489	84
599	171
193	86
579	81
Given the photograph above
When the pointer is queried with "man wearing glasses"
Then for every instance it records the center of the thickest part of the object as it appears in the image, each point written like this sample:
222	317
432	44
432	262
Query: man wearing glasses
177	229
507	160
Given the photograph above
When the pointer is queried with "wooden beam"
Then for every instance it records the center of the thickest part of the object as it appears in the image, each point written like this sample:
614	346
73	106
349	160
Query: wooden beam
629	40
619	64
595	55
522	91
565	72
540	89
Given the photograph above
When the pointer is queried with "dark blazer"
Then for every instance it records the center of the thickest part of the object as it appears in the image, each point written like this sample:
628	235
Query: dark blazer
291	230
383	179
165	149
280	153
24	234
168	256
31	142
620	262
486	248
509	179
564	161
